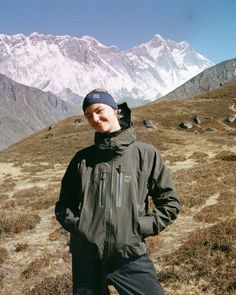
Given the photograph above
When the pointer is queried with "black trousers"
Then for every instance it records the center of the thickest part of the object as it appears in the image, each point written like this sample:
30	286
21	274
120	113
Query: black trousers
129	277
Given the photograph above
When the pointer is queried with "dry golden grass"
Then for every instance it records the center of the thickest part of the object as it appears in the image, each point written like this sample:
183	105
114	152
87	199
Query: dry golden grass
58	234
21	247
7	185
60	285
34	198
35	267
201	258
3	198
208	256
226	156
224	208
13	222
3	254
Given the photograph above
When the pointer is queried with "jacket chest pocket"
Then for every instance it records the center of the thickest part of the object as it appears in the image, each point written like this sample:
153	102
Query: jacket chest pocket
123	179
119	185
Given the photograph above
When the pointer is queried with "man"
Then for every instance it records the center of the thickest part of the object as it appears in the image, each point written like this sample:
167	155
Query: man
104	205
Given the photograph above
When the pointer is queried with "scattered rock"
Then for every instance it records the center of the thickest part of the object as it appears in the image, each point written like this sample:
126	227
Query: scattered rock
231	119
78	120
186	125
196	120
149	124
49	128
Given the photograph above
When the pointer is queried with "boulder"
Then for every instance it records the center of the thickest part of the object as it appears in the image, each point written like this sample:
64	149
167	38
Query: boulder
78	120
196	120
231	119
149	124
186	125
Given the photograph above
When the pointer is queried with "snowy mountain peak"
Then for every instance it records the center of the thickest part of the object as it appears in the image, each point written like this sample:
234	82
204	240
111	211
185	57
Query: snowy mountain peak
54	63
91	40
157	40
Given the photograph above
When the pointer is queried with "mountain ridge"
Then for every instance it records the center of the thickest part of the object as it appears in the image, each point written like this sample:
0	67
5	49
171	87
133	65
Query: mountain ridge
209	79
55	63
25	110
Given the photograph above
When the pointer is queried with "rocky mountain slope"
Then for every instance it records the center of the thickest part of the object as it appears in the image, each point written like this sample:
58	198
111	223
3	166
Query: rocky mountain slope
55	63
211	78
25	110
195	255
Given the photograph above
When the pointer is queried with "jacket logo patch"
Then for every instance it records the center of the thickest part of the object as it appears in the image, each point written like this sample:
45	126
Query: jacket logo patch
127	178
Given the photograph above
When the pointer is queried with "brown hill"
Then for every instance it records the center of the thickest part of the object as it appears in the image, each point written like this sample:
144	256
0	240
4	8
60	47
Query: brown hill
194	255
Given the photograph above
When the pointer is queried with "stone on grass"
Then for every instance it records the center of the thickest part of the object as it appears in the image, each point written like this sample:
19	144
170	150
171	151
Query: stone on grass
186	125
149	124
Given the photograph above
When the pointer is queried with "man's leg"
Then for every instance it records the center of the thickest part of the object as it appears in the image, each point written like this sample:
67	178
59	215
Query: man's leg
137	277
87	277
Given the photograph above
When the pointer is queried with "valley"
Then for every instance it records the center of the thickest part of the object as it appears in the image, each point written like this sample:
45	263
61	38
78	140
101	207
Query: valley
194	255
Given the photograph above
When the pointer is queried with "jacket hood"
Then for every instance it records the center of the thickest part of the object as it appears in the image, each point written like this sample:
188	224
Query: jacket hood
115	142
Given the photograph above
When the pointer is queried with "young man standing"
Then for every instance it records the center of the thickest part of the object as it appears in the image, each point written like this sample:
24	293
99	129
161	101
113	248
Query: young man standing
104	205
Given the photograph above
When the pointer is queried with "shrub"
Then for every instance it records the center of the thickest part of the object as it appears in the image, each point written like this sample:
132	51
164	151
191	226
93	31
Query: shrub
35	197
1	279
57	234
12	222
208	255
3	198
35	266
8	184
21	247
226	156
3	254
60	285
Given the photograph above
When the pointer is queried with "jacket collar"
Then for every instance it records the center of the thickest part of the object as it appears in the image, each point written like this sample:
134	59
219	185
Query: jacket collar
115	142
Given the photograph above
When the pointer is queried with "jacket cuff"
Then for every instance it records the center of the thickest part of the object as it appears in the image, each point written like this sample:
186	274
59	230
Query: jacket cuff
147	225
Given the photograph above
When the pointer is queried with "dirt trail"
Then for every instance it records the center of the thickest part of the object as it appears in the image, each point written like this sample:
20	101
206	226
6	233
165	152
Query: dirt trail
7	169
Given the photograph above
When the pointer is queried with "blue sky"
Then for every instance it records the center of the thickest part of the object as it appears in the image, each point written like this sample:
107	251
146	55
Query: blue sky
208	25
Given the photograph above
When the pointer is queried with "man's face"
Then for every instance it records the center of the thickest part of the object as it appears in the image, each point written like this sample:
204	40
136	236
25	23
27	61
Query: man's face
102	118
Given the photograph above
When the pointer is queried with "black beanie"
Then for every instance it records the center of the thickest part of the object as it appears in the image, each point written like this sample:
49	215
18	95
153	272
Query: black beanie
99	96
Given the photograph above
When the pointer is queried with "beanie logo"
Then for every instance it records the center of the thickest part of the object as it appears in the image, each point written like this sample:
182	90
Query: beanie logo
96	95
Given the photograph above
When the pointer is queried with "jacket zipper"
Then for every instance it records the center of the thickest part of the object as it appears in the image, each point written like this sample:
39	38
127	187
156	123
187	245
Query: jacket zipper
109	217
102	189
119	187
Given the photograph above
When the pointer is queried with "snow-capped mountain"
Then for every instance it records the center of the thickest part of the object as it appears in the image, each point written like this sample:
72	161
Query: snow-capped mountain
55	63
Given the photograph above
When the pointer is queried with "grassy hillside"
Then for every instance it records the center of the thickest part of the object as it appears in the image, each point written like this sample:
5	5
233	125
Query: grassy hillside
194	255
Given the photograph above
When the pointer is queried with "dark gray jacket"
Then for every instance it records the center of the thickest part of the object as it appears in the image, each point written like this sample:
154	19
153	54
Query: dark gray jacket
104	197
